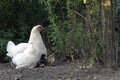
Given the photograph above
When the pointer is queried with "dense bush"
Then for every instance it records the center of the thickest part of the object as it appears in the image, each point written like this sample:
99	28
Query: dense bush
71	32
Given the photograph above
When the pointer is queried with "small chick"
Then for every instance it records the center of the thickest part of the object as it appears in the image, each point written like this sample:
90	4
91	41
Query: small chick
51	59
43	60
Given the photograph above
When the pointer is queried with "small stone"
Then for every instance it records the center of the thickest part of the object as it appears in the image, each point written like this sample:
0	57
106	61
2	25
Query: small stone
59	79
94	78
17	77
68	79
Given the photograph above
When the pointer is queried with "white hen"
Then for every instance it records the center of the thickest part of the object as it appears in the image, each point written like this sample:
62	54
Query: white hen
28	54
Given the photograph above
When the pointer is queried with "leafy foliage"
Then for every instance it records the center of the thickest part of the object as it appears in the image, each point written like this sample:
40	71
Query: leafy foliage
69	31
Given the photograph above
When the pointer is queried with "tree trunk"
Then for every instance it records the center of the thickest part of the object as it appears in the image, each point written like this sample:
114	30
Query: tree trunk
109	51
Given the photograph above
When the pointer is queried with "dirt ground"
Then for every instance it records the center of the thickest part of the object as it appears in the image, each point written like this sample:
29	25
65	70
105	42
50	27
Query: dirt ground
63	71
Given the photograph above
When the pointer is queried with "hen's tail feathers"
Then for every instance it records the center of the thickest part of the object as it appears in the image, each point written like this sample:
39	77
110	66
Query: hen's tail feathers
10	49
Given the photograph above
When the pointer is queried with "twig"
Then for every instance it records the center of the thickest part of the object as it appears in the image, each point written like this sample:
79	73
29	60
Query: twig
80	15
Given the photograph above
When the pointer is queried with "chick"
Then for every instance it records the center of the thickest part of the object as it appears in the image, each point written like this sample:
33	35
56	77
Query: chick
43	60
51	59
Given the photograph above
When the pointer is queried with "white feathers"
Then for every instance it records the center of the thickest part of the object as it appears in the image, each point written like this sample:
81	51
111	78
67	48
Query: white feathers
13	49
10	49
27	55
26	59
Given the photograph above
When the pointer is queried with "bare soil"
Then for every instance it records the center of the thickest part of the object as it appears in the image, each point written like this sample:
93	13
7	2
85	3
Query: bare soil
61	71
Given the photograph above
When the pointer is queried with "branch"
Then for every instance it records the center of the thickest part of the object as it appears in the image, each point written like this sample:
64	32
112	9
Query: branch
80	14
